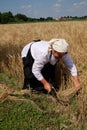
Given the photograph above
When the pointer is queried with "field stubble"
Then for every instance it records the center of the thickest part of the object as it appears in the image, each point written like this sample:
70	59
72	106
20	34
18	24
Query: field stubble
14	36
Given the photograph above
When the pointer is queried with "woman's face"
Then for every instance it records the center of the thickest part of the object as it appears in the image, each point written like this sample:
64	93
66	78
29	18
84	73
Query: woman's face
57	54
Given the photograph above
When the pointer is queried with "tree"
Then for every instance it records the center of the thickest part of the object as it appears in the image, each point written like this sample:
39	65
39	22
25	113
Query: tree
11	17
49	18
4	18
21	17
0	17
7	17
42	19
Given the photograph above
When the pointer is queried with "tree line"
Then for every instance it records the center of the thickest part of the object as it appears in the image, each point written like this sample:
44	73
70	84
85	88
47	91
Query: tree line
8	17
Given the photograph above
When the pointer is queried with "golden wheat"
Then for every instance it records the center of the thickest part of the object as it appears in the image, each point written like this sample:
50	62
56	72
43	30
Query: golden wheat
14	37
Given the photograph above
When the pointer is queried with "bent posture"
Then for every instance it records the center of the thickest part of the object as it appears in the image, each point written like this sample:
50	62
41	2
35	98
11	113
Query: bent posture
39	59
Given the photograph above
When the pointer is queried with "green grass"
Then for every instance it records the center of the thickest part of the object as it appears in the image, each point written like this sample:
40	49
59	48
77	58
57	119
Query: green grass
24	115
6	78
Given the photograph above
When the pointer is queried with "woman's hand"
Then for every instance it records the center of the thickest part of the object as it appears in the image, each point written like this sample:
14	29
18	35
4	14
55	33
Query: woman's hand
47	85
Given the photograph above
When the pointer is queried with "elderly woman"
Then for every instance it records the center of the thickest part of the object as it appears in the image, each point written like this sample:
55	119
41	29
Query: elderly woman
39	59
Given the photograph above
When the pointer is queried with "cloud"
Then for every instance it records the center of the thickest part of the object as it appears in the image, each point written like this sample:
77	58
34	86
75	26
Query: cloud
26	9
26	6
59	0
57	7
80	4
78	9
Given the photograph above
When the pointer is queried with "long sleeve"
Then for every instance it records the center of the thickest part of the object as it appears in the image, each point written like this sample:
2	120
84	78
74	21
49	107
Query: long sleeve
41	56
67	60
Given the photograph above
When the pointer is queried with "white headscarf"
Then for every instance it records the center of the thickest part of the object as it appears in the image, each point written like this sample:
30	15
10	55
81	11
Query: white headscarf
59	45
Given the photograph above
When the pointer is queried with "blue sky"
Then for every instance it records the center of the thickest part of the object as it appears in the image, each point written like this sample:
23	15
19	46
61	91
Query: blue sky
45	8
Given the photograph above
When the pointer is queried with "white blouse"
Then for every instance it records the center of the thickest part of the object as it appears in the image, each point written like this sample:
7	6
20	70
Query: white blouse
41	54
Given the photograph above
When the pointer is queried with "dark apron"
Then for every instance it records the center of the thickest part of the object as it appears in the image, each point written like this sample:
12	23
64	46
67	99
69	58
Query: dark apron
48	71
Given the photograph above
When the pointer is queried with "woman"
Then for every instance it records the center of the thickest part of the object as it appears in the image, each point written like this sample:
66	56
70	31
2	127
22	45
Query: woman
39	59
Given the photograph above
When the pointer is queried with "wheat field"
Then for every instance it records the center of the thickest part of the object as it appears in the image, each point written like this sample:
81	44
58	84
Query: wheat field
13	37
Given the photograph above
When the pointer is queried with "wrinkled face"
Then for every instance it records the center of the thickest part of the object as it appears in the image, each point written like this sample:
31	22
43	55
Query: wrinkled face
57	54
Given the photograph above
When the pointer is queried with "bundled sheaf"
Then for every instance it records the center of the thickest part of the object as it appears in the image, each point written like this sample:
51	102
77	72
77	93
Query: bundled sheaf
65	89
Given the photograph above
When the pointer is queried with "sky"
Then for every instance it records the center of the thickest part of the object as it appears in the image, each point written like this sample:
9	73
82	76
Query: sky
45	8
